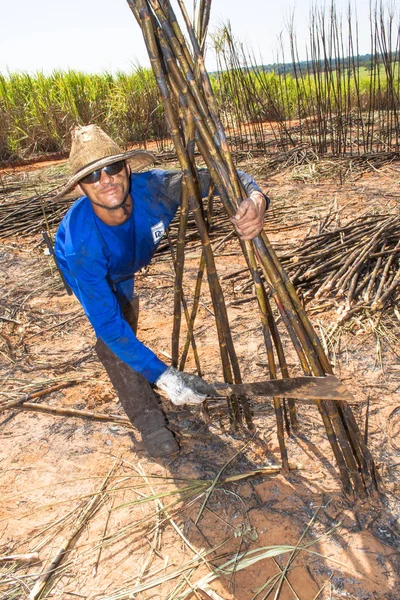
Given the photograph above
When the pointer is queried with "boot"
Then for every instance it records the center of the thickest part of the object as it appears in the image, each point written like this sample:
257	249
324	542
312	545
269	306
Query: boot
139	403
137	398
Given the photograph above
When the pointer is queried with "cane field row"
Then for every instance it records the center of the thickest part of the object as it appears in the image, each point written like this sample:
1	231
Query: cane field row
333	102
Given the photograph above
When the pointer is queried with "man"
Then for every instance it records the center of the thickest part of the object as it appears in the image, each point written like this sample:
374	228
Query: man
110	233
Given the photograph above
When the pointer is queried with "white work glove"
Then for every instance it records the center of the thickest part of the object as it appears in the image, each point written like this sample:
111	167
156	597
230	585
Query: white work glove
183	388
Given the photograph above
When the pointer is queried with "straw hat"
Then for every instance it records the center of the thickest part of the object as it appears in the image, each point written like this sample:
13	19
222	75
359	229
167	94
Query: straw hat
93	149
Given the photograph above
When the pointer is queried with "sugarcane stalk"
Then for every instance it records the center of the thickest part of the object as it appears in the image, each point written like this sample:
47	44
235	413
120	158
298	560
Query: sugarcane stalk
384	277
351	226
298	307
202	26
385	253
214	112
186	311
213	146
39	394
327	266
234	273
355	257
288	321
261	298
332	410
336	432
260	294
384	298
362	284
72	412
352	289
173	30
178	262
348	439
362	452
190	90
199	279
233	177
196	301
282	360
305	351
233	400
207	140
368	248
216	176
226	348
193	193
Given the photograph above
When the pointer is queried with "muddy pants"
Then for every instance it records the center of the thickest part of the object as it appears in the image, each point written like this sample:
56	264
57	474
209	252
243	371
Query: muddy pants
133	390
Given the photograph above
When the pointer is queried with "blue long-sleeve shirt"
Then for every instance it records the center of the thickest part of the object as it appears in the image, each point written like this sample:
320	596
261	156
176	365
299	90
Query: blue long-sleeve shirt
99	261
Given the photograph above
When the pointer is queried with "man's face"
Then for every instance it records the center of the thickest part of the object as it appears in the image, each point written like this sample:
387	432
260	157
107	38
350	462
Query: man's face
110	190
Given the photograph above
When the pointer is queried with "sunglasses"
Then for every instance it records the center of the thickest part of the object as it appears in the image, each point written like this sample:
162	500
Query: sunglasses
112	169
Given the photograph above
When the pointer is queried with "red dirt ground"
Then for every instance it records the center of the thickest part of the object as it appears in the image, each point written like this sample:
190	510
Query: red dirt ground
52	465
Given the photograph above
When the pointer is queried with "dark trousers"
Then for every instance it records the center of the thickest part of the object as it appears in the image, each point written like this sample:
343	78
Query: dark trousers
133	390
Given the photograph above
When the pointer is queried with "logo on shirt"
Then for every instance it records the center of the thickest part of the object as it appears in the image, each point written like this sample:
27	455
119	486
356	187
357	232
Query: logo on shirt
157	231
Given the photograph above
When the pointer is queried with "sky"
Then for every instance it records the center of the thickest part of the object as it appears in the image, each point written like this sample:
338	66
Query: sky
102	35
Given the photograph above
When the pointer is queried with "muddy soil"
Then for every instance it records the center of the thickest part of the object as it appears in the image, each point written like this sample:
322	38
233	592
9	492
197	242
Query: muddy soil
159	528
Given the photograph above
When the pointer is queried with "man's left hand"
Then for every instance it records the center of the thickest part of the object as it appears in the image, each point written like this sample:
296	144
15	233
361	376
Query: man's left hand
249	218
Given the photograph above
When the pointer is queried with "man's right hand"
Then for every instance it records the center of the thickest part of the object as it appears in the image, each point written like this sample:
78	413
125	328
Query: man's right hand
183	388
249	218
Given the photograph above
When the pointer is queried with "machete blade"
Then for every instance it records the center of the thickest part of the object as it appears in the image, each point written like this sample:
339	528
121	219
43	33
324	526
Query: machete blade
313	388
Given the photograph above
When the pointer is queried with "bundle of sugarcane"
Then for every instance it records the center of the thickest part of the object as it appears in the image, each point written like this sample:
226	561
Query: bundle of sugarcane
193	118
27	202
359	261
28	216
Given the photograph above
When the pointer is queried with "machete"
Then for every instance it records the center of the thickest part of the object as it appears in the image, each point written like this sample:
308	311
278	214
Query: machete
313	388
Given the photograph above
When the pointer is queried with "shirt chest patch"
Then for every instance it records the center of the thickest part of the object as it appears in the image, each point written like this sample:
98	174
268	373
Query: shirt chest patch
157	231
